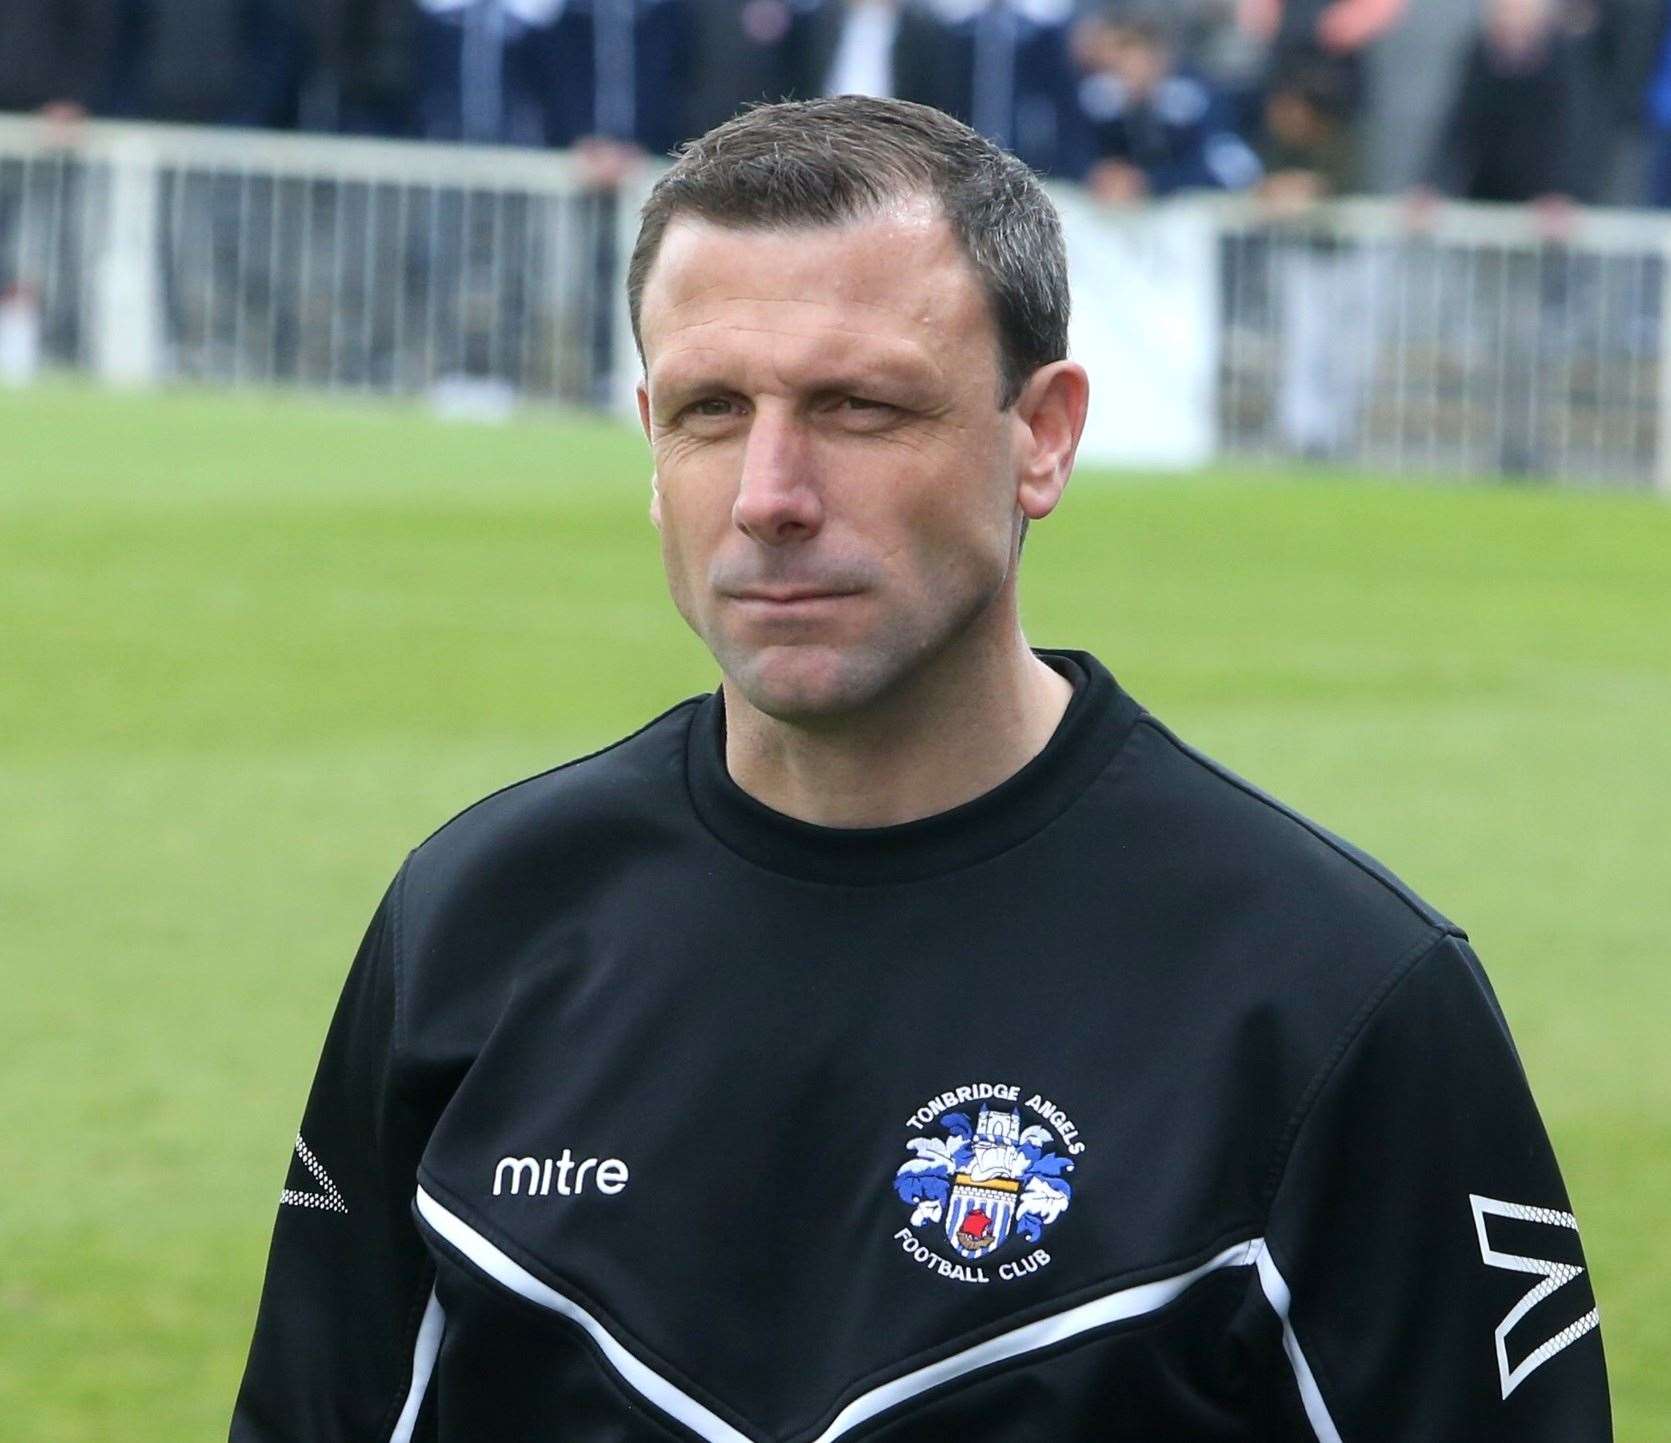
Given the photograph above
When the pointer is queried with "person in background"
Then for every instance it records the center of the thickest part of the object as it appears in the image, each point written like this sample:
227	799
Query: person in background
615	77
55	61
1005	70
1210	42
1308	145
603	79
1295	29
482	69
1511	132
739	53
1154	129
775	49
1332	33
603	76
1658	114
1326	288
1614	44
359	75
885	48
209	62
55	56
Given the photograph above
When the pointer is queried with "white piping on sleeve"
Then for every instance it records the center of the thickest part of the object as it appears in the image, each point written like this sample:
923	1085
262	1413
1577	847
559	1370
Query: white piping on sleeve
1277	1294
424	1353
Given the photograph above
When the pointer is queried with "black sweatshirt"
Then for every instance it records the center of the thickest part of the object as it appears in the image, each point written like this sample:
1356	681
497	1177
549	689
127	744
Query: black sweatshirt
1120	1103
1510	132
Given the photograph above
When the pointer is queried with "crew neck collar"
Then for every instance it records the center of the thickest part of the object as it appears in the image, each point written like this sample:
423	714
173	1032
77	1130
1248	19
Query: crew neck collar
1091	731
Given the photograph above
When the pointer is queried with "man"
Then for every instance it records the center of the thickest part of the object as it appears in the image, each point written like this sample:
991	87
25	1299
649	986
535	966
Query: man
913	1039
739	55
207	62
57	56
1339	31
1005	67
1513	133
1512	127
869	47
1156	130
56	60
1327	290
600	75
359	68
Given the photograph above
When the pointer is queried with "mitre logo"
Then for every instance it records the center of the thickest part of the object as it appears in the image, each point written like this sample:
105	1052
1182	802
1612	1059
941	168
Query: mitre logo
565	1176
985	1180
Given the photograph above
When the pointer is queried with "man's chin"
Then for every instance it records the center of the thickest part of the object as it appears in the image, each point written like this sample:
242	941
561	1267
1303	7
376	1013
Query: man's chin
808	684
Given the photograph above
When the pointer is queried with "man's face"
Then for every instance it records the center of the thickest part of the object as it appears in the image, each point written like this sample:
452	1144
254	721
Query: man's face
836	487
1136	60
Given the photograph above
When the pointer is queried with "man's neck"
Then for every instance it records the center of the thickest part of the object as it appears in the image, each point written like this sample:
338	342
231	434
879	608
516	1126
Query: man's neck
958	731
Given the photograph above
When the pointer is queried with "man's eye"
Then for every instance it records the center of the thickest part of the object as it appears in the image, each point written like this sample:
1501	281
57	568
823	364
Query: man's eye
709	406
864	403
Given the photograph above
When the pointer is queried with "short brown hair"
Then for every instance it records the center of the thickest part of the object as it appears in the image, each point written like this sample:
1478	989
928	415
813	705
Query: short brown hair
829	162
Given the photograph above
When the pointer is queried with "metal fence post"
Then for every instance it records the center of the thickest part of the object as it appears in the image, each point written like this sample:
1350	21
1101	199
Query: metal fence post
623	354
127	298
1662	412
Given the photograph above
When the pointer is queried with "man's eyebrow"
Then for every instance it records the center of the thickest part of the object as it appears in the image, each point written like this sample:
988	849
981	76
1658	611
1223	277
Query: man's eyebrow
665	390
897	375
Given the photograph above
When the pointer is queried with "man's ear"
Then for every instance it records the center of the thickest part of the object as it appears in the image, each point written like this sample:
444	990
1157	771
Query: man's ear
1051	414
642	393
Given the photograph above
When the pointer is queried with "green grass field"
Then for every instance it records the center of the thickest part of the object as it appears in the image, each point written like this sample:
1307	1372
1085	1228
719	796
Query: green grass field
253	650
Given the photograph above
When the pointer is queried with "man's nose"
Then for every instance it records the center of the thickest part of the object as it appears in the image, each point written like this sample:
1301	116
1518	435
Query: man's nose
778	498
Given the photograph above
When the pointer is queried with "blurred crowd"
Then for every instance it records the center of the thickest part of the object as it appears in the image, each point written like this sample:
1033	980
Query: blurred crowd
1552	101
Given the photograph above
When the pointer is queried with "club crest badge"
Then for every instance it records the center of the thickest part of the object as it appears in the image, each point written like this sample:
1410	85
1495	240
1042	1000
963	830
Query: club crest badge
988	1175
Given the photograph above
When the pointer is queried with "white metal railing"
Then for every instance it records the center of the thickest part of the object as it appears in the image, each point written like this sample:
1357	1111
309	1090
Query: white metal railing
1465	340
1469	343
149	253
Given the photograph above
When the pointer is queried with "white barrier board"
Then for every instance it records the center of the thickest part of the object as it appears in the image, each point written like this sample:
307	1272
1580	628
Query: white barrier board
1145	325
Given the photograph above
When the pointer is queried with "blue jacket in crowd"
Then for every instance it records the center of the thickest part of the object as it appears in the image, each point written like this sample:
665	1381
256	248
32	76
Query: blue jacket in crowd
1182	135
550	72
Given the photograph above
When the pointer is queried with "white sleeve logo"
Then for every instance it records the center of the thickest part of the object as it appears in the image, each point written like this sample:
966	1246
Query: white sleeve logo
1552	1277
327	1198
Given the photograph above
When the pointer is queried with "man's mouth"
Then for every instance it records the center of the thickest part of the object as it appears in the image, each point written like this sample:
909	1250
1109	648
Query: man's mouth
791	595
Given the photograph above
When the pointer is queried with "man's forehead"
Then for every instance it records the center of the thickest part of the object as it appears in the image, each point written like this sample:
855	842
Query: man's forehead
898	270
907	216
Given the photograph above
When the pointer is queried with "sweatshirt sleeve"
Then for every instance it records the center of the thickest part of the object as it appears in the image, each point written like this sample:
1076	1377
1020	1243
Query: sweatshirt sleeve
348	1280
1421	1251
